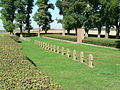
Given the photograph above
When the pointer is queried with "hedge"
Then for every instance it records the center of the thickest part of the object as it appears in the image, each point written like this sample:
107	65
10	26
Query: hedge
17	72
90	40
66	37
103	42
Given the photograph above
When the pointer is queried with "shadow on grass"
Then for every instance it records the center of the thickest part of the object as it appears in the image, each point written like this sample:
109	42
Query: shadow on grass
31	61
118	44
19	41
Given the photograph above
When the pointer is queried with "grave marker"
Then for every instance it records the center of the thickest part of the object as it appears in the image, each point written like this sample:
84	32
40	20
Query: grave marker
51	47
80	35
62	51
54	48
90	61
68	52
81	57
74	54
58	49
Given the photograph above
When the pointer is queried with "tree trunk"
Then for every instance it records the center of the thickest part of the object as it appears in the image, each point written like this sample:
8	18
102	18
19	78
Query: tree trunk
117	32
99	32
11	33
68	32
21	33
28	24
28	32
86	32
76	31
107	32
46	31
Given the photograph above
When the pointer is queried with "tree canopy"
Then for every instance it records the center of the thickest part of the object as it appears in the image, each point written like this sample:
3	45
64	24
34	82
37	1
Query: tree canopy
43	17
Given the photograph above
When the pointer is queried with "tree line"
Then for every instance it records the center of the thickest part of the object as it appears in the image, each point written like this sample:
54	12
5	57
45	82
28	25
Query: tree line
90	14
17	14
76	14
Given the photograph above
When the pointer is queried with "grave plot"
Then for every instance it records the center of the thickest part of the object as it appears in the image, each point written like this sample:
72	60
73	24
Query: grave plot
67	53
70	73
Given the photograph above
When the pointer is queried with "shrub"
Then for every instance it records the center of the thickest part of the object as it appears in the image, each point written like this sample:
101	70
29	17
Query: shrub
67	37
17	72
90	40
103	42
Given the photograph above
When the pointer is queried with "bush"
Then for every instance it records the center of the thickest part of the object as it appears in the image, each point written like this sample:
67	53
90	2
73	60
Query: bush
17	72
90	40
67	37
103	42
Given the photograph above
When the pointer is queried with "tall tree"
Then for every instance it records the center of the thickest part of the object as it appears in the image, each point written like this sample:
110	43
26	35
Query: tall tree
74	9
28	12
116	12
108	15
21	15
89	17
43	17
8	14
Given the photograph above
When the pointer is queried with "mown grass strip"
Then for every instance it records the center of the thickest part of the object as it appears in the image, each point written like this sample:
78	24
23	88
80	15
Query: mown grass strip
73	75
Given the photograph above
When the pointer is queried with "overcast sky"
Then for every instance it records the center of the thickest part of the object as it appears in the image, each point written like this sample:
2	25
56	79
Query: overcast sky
55	15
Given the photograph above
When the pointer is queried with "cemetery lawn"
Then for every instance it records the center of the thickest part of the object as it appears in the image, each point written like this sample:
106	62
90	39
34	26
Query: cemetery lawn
72	75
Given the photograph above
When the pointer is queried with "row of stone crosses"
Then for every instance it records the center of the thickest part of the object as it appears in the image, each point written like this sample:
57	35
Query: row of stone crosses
67	52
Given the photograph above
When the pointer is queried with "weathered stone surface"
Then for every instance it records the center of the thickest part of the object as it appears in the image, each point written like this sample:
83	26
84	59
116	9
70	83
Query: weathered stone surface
68	53
80	35
48	47
81	57
74	54
58	49
62	51
90	60
54	48
51	47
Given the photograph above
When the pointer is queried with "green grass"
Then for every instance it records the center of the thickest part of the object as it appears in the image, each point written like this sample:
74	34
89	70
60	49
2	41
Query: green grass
74	75
90	40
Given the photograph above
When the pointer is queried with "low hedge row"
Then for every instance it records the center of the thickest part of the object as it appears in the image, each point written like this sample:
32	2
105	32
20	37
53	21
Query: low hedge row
66	37
90	40
103	42
17	72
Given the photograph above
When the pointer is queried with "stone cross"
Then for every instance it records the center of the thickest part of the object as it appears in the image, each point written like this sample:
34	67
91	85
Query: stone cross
58	49
41	44
68	52
90	61
48	47
80	35
45	45
62	51
74	54
51	47
54	48
81	57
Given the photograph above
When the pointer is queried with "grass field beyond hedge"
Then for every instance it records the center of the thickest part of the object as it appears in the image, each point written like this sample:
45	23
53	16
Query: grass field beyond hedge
73	75
90	40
